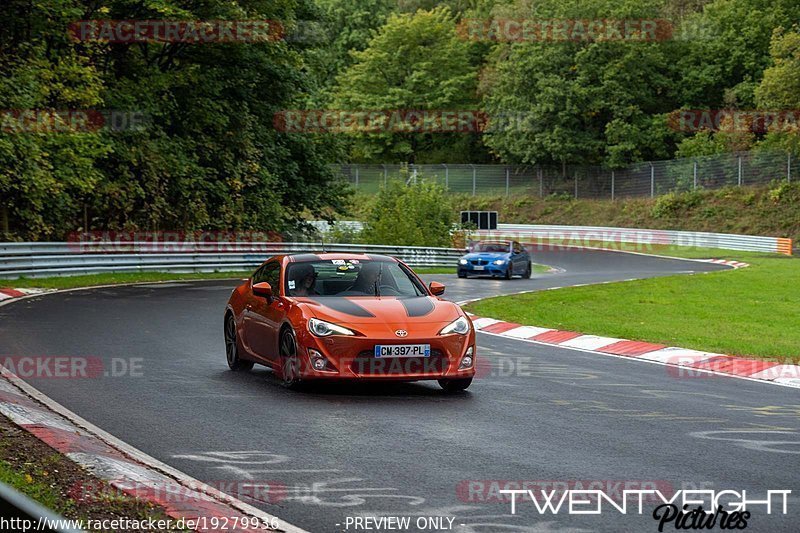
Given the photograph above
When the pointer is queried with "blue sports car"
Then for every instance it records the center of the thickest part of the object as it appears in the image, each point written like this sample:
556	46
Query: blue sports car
496	258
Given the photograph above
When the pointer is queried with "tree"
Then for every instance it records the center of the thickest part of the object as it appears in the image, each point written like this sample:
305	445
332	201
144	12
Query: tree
586	101
208	157
415	62
419	214
779	90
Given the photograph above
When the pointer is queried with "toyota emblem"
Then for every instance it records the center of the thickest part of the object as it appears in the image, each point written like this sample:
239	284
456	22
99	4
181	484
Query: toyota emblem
401	333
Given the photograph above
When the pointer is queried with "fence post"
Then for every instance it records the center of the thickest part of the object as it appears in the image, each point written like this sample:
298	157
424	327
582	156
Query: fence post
541	182
739	161
652	181
789	167
576	184
474	177
446	177
612	185
385	175
695	176
507	176
356	176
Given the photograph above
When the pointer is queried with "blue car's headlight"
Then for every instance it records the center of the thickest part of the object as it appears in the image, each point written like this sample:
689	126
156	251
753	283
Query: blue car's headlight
462	261
500	262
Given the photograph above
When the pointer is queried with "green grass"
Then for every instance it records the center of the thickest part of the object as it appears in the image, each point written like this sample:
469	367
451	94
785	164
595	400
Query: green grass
40	491
71	282
750	311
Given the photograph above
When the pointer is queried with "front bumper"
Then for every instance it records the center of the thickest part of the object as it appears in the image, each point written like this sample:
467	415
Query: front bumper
353	358
490	269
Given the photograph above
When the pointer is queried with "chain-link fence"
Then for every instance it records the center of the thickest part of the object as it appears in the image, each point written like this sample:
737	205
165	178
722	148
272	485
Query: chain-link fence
641	179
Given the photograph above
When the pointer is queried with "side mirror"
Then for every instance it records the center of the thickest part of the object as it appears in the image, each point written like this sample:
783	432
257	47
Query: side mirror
263	289
437	289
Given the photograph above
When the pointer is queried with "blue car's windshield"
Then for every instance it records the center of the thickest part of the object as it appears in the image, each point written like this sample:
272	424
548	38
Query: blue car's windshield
498	247
350	277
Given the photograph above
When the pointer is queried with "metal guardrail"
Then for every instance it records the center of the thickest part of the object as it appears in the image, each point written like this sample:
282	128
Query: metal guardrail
20	513
76	258
640	237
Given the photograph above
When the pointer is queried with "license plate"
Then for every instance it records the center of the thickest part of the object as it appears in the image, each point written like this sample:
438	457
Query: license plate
402	350
478	267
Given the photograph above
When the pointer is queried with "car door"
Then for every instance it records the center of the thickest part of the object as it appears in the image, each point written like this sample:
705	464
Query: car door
517	258
265	316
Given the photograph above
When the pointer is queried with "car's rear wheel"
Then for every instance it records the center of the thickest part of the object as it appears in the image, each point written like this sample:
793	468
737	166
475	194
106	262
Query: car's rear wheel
528	271
290	362
232	347
455	385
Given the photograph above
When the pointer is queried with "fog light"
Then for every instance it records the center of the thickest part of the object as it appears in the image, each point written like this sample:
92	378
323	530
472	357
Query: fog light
318	361
466	361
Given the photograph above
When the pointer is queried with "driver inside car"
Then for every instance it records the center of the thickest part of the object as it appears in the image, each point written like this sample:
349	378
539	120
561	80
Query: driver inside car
304	278
367	279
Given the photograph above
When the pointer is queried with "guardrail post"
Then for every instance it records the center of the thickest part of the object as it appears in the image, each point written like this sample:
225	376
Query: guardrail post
507	177
612	185
385	175
789	167
739	161
446	177
652	181
695	176
474	177
356	176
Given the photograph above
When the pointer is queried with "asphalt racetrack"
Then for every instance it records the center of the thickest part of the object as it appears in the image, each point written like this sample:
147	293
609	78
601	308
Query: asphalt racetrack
335	452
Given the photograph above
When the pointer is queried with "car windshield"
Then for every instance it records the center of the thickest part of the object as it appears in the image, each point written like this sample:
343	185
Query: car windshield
501	247
350	277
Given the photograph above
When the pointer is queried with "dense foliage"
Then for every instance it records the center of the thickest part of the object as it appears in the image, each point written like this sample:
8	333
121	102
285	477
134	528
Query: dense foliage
417	214
208	156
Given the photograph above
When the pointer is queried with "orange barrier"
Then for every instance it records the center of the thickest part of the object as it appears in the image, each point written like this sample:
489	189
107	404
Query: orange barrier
785	246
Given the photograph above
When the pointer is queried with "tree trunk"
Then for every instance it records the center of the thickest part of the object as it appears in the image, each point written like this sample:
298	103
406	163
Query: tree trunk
6	226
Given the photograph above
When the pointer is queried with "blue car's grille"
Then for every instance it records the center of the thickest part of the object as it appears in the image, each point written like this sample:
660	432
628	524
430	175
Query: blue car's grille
479	262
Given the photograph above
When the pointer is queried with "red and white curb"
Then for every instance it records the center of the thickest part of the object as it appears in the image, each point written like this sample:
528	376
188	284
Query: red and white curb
7	294
125	468
690	362
734	264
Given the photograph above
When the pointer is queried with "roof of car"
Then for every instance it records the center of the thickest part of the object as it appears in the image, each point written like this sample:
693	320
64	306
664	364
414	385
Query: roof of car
327	256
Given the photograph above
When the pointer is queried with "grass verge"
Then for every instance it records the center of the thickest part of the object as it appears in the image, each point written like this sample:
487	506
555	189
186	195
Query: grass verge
750	311
33	468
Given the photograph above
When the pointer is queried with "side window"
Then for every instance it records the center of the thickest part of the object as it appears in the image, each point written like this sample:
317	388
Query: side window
517	248
271	274
258	275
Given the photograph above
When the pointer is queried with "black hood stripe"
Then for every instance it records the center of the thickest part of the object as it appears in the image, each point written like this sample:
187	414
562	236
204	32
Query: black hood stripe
343	305
419	306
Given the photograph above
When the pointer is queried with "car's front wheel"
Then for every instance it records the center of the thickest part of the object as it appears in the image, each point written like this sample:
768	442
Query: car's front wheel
455	385
232	347
528	271
290	362
462	274
509	272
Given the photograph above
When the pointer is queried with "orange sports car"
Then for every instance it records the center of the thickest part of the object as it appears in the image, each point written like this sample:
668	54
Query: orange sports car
348	316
